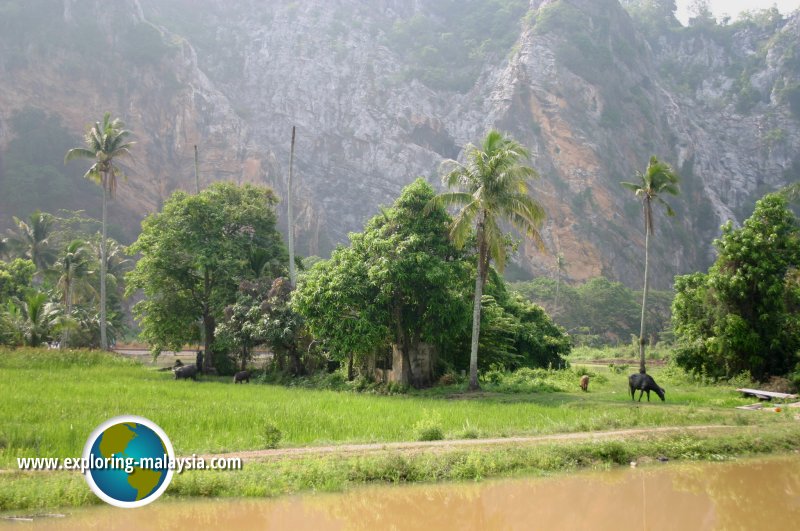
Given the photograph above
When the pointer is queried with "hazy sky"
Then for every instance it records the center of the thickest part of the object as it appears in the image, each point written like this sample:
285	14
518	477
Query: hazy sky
734	7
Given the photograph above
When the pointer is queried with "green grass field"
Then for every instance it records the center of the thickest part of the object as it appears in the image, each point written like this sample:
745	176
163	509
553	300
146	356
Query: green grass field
53	400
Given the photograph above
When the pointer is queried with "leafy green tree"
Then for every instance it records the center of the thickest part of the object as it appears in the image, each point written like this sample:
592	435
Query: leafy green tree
238	329
283	328
517	333
16	279
339	305
744	315
32	239
495	189
659	179
194	254
401	281
105	143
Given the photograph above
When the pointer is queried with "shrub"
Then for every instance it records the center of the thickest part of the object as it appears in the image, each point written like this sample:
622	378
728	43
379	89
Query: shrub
272	435
428	429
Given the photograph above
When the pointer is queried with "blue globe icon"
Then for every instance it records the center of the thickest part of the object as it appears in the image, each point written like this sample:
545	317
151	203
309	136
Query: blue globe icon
129	461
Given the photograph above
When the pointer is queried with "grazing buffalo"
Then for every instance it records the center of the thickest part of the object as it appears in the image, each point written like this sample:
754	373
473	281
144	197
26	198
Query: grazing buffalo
185	372
241	377
644	383
585	382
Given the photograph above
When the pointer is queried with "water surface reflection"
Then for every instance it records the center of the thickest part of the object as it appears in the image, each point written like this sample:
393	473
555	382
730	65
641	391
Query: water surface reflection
747	495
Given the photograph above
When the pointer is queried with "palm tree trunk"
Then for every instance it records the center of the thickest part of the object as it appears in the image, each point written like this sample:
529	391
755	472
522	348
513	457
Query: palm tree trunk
476	329
65	335
644	294
476	312
103	249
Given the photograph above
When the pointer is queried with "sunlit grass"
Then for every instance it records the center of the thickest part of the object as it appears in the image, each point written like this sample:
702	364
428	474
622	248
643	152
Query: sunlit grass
52	401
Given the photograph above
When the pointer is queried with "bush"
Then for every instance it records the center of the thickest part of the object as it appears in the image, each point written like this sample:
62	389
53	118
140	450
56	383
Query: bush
428	429
272	435
449	378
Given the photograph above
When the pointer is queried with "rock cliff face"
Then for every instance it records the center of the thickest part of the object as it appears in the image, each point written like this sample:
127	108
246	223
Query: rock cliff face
377	103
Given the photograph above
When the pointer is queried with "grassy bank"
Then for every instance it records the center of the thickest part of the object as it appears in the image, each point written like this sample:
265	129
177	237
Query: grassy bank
38	491
52	402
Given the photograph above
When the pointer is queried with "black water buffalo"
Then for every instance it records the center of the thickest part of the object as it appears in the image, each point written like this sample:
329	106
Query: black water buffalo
184	372
241	377
644	383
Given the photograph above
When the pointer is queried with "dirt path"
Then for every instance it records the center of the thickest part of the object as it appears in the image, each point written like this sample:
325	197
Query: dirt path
349	450
354	450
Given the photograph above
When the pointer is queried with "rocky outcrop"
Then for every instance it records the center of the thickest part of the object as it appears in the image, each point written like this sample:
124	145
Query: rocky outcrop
582	87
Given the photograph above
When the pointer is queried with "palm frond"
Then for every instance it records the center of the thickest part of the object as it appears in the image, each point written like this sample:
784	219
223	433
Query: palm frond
78	153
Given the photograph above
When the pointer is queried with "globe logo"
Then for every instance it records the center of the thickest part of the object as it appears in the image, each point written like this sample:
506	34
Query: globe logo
129	461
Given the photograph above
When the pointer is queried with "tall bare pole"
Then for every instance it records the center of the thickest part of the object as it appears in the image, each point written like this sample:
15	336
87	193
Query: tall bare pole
196	172
290	216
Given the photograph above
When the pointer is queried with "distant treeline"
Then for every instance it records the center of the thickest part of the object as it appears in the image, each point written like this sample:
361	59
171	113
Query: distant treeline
599	311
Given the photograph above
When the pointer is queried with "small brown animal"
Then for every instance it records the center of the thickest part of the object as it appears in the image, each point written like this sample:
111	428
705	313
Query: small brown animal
585	382
241	377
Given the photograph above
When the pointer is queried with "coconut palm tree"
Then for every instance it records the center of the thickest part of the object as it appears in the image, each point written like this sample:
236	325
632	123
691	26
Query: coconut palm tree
494	188
73	268
105	142
657	180
33	318
31	239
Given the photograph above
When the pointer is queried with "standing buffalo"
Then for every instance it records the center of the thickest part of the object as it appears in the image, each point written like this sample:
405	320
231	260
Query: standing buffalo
585	382
644	383
241	377
185	372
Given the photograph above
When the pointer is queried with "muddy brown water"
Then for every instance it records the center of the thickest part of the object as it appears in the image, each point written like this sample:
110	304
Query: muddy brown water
747	495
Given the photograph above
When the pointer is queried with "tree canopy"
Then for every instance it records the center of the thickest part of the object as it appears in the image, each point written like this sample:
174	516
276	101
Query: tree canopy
744	314
194	253
403	282
400	281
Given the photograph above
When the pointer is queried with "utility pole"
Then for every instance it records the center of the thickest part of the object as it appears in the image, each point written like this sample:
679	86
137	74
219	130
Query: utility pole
290	216
196	172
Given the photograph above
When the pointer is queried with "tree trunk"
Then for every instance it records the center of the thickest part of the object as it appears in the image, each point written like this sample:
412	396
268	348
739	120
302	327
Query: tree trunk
350	374
480	278
208	340
642	369
68	304
208	326
103	248
407	374
296	368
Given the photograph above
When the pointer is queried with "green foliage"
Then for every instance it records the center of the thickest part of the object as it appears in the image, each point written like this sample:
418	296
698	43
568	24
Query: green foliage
283	329
194	253
272	435
32	239
599	311
15	278
539	380
428	429
448	43
401	281
745	313
31	320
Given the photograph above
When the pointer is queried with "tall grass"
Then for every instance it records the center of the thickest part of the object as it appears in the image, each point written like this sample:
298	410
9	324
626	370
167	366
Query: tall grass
51	401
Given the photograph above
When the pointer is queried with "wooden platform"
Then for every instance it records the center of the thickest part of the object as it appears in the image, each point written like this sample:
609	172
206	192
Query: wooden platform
766	395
